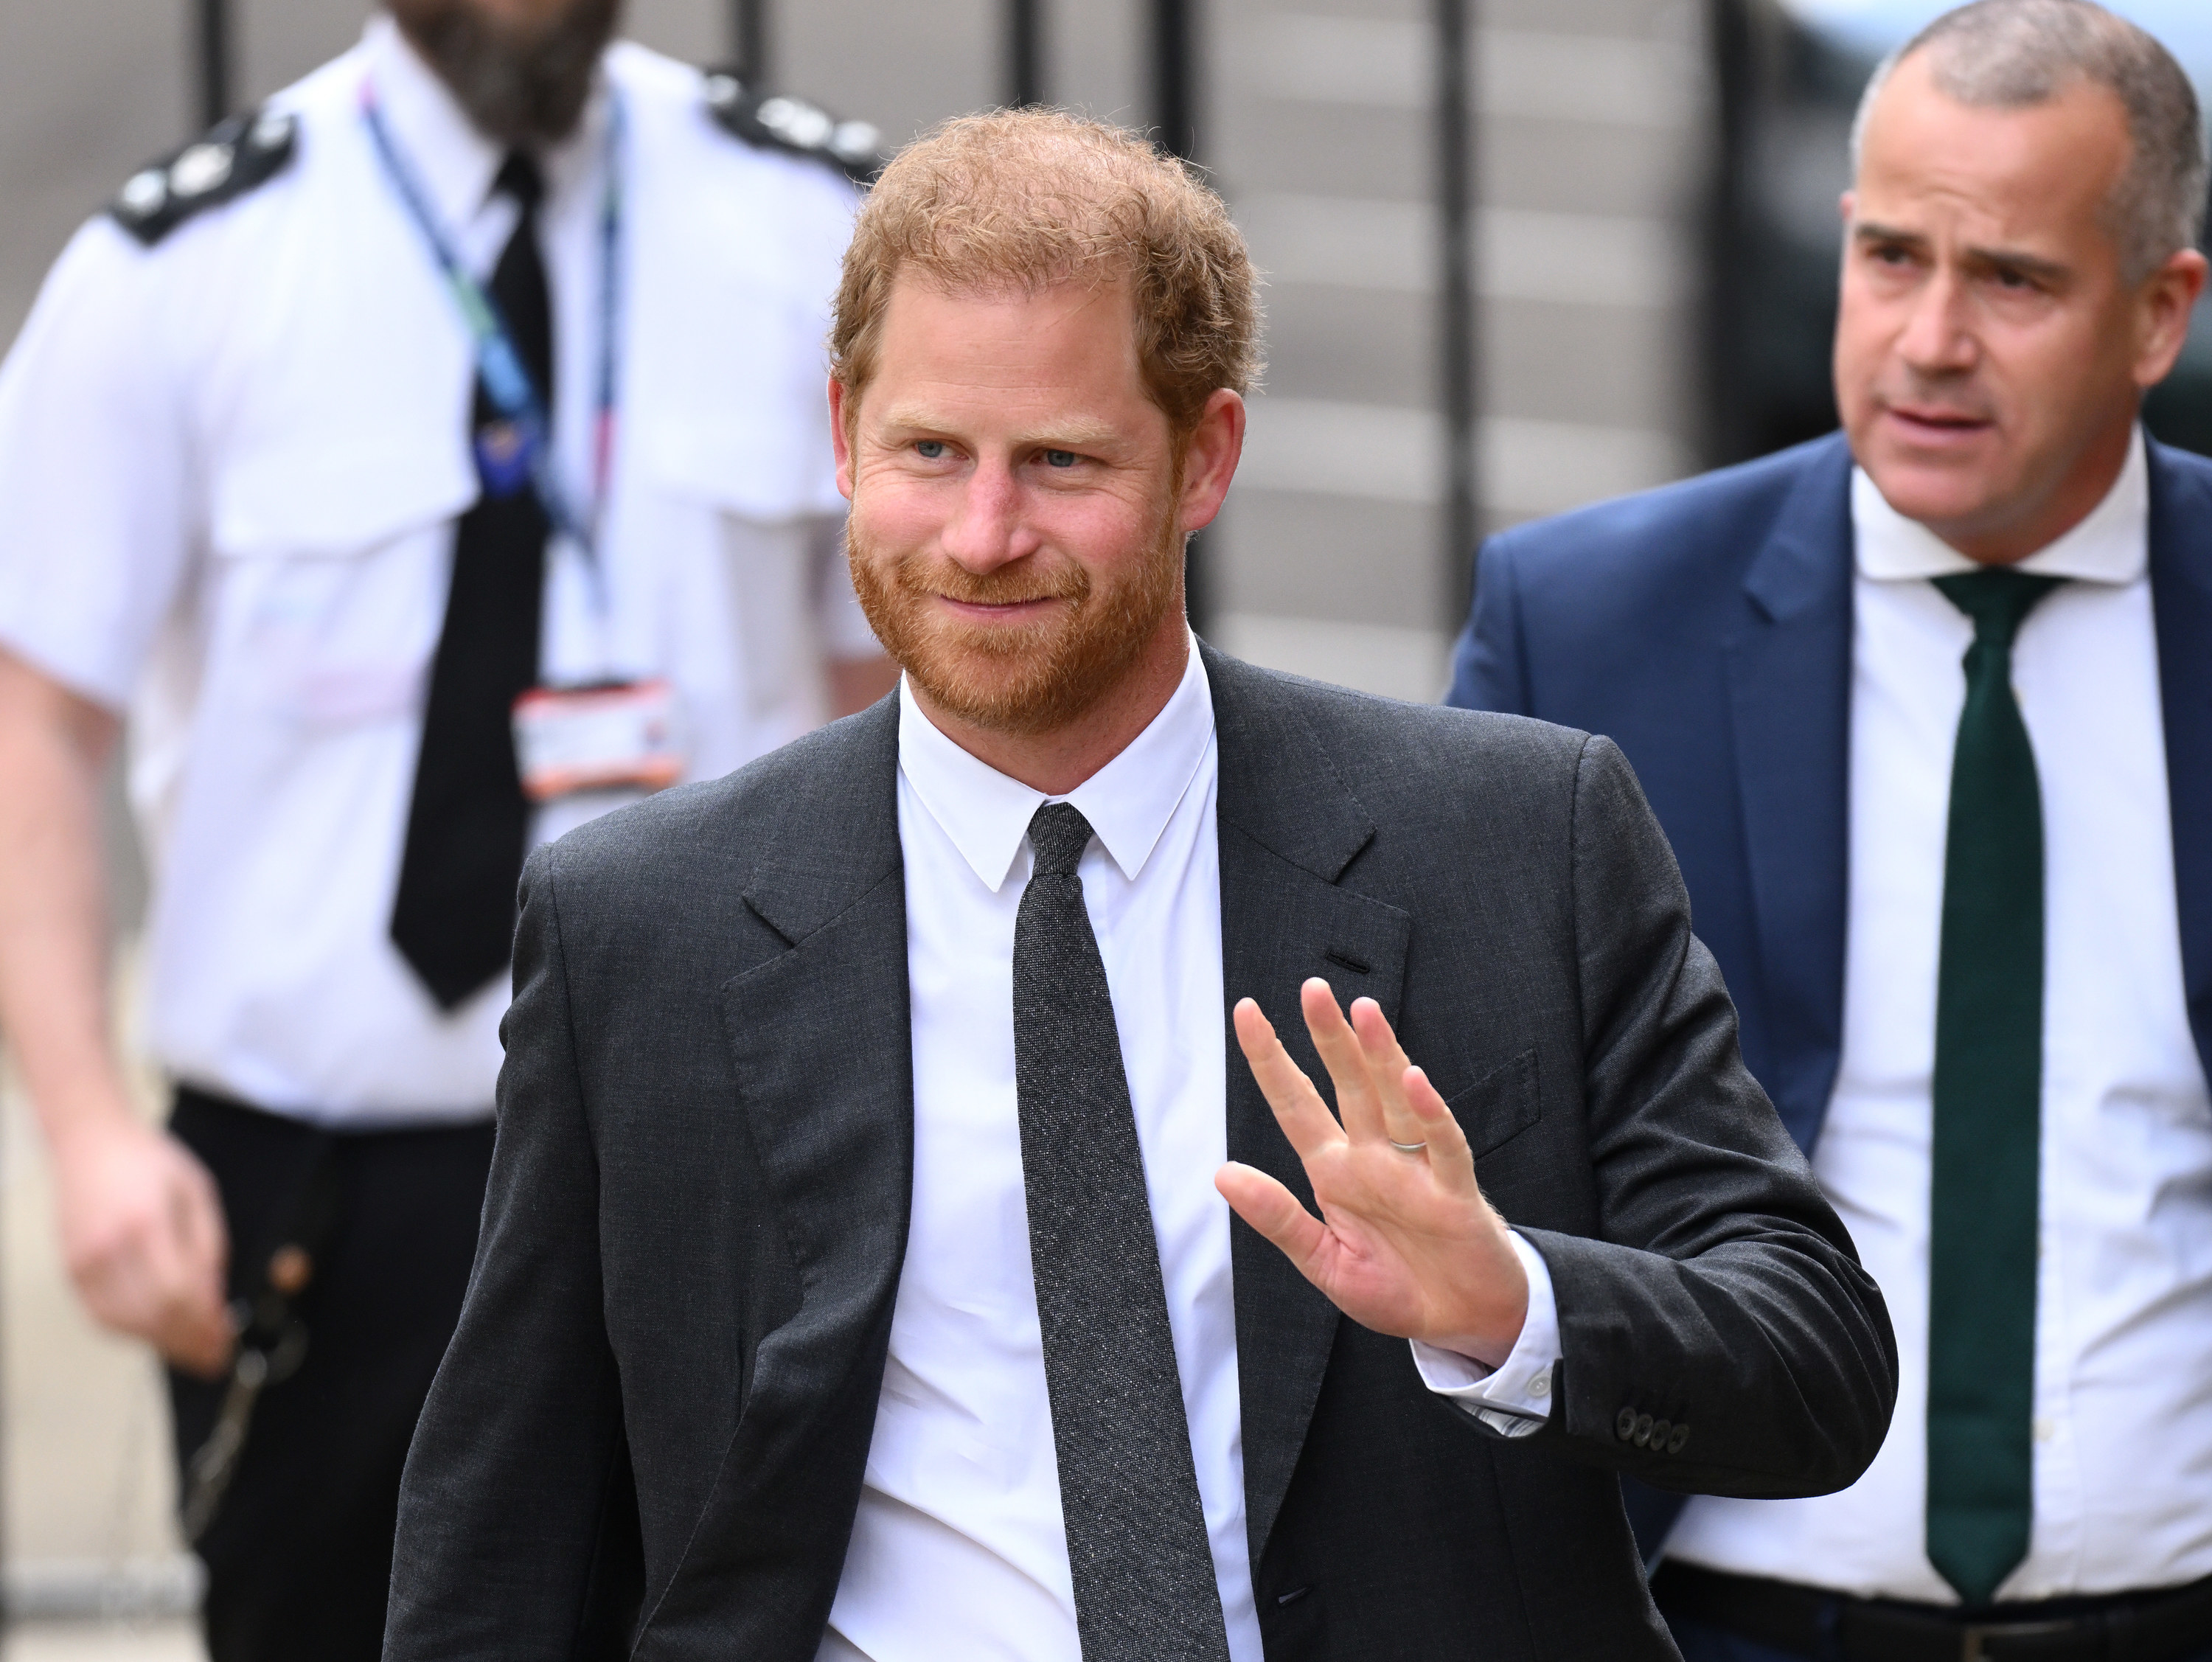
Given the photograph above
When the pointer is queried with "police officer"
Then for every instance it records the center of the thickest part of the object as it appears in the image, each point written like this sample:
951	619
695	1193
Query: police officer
425	462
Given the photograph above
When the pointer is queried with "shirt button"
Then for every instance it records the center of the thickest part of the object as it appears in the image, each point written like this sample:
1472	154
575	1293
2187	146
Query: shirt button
2045	1431
1540	1386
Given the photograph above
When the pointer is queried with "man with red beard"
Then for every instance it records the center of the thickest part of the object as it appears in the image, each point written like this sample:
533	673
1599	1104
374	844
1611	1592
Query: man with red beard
429	461
859	1277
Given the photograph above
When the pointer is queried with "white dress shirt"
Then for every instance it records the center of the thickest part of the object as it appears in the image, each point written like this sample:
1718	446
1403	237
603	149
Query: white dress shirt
2123	1403
229	469
959	1550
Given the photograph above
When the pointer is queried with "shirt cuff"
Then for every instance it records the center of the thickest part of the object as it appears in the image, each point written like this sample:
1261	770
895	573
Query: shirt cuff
1515	1398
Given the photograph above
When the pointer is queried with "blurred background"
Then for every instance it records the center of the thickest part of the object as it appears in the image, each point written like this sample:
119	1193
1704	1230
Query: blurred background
1521	254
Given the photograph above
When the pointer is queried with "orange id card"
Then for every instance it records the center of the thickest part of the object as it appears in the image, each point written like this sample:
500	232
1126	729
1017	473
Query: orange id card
621	735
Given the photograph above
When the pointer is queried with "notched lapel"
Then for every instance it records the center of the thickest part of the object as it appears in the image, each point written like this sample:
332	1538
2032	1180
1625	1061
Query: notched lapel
1288	830
818	1037
1790	687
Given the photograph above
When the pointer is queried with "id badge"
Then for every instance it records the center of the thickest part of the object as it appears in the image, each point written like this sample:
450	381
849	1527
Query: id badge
616	735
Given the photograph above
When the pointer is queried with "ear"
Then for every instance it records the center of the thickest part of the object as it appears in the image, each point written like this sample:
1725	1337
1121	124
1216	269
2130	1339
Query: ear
2163	305
1217	444
841	438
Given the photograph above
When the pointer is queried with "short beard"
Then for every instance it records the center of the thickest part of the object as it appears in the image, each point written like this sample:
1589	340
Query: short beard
1020	682
520	85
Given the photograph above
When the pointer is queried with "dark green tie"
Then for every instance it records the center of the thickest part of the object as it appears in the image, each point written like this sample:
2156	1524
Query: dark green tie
1988	1099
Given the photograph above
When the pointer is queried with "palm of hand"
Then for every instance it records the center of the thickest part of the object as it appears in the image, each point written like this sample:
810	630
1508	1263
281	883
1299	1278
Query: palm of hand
1406	1243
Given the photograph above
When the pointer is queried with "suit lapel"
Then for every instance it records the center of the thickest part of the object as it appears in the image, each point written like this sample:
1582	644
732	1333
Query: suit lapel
1789	673
1288	828
2181	602
819	1037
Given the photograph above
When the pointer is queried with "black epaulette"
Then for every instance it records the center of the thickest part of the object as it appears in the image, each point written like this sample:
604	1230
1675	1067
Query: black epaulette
228	159
778	121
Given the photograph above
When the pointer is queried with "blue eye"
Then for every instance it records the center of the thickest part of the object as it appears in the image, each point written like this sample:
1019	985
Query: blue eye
929	449
1059	458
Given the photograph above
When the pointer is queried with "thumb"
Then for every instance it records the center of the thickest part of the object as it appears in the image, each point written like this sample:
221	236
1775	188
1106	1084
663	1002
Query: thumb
1274	1211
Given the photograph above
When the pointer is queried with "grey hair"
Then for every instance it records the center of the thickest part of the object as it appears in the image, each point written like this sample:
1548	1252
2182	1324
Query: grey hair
2013	54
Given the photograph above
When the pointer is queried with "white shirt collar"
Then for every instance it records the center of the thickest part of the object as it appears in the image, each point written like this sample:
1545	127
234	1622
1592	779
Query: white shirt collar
2112	545
456	163
1128	802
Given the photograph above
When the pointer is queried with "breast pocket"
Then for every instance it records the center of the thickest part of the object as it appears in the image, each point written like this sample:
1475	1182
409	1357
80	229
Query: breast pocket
734	410
329	563
1499	1105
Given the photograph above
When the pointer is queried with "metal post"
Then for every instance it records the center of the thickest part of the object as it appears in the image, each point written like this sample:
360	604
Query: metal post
1457	388
748	41
1175	74
1732	429
1024	53
214	31
1175	115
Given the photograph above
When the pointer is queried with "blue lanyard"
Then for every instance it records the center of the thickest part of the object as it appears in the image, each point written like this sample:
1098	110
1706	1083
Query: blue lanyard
506	379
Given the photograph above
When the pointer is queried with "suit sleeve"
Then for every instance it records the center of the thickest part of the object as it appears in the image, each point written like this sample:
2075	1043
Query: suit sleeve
1718	1334
520	1449
1488	671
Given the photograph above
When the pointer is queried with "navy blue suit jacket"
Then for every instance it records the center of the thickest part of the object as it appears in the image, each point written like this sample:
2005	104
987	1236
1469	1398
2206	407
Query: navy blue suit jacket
1706	629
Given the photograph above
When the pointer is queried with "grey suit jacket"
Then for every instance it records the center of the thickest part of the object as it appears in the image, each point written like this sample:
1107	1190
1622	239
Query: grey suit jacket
649	1435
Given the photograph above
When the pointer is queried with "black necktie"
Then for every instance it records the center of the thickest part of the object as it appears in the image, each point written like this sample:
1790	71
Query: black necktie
1143	1570
454	919
1988	1115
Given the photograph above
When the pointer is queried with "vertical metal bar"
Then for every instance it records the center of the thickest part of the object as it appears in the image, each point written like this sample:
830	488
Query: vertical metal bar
213	46
748	41
1732	425
1175	116
1457	385
1175	74
1024	53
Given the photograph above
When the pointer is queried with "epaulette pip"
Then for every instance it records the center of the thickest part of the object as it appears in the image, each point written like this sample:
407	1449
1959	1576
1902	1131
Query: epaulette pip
228	159
780	122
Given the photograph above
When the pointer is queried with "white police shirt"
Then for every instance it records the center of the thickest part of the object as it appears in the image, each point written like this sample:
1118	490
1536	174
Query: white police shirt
230	465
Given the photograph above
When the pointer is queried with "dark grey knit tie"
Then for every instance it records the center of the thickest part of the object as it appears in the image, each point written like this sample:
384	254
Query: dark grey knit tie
1128	1494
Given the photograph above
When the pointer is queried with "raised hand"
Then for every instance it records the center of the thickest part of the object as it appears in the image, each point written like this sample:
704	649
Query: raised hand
1406	1243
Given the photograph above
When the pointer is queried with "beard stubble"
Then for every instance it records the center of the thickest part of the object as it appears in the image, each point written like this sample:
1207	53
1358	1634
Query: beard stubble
1036	678
520	83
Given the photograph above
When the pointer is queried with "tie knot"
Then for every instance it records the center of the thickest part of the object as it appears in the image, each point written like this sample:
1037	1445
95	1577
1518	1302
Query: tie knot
519	177
1998	599
1059	833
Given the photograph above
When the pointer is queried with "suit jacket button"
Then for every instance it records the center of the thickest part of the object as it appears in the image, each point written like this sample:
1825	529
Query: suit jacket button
1623	1426
1642	1437
1676	1438
1659	1430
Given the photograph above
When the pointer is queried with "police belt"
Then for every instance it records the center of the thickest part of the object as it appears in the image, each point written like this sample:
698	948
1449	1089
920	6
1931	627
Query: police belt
2160	1625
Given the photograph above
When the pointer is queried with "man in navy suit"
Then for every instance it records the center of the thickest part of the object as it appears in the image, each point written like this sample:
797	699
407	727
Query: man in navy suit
1926	709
